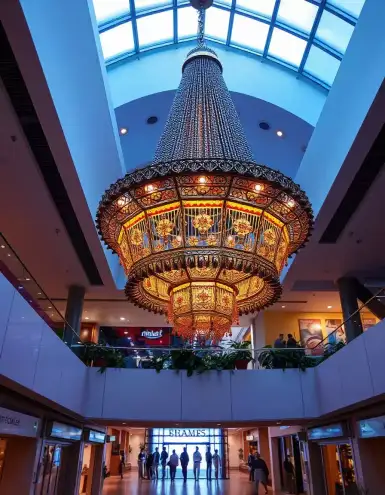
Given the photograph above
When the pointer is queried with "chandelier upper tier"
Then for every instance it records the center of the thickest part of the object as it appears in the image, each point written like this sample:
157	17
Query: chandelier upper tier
204	232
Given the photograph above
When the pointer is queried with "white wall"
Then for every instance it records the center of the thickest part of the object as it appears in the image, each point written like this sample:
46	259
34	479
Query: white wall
33	356
235	443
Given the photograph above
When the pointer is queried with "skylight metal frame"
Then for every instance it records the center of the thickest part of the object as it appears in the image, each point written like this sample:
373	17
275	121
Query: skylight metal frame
273	23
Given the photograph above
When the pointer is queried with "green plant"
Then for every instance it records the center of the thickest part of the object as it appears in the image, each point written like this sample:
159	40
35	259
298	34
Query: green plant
240	454
241	351
99	355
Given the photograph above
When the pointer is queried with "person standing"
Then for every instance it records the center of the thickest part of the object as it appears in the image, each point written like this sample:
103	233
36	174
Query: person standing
184	460
149	463
163	461
261	472
280	342
141	463
250	460
121	466
289	475
174	461
209	463
291	342
197	458
217	463
155	463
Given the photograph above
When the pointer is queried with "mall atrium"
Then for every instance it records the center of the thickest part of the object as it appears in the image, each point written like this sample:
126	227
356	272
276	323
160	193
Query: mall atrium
192	267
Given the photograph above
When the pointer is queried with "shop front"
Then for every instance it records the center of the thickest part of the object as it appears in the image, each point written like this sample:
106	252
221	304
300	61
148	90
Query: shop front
58	468
18	444
335	444
91	473
191	438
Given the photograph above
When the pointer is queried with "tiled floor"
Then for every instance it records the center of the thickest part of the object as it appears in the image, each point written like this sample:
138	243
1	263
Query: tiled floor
238	484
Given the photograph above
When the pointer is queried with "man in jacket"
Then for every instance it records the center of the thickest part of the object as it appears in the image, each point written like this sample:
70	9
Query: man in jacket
209	463
261	472
174	461
184	460
155	464
250	459
163	461
197	458
217	462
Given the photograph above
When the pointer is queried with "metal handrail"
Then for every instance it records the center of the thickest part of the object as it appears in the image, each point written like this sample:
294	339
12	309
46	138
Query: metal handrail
363	305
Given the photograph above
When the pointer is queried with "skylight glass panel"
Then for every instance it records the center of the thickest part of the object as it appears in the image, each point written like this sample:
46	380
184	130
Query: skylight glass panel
351	7
249	33
109	9
287	47
223	2
299	14
217	23
155	29
321	65
261	7
187	23
117	40
143	5
334	32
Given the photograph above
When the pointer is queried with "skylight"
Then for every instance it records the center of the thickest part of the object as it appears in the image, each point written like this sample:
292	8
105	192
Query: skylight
308	36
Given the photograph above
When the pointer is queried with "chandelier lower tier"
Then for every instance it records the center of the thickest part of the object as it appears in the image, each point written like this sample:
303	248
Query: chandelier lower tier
203	241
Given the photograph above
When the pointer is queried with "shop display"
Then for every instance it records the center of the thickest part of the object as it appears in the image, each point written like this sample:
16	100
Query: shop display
311	333
335	331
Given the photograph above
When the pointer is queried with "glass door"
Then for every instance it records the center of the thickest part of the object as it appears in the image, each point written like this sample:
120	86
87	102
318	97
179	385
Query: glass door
340	477
49	470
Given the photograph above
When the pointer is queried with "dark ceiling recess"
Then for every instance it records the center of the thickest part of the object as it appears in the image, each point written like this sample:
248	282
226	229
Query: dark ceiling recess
24	109
152	120
360	185
264	125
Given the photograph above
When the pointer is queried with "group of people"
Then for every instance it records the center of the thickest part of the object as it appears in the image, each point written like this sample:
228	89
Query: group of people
149	463
281	343
259	472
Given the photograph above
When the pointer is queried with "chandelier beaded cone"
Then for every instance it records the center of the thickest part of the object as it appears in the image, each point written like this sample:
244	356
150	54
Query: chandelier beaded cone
204	232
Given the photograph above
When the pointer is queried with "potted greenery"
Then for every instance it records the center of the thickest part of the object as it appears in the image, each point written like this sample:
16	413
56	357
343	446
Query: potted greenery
241	354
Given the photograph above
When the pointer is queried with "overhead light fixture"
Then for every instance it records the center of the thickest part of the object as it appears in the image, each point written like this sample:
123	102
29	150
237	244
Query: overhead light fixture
283	307
39	293
125	333
124	423
330	307
279	133
20	287
206	247
123	131
8	255
122	318
2	246
86	318
258	187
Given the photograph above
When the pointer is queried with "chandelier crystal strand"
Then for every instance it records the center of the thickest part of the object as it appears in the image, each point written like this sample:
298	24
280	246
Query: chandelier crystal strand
204	232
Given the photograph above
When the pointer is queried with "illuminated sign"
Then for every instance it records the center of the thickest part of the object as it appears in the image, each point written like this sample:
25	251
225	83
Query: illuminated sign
66	432
373	427
250	438
152	334
330	431
190	432
14	423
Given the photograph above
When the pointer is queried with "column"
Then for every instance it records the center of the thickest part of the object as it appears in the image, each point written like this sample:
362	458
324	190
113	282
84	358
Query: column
349	304
73	314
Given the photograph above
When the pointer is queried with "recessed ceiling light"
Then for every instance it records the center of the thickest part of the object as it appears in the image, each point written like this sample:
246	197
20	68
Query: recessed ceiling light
86	318
264	126
8	254
152	120
122	318
279	133
283	306
27	279
124	423
125	333
330	307
2	246
218	424
123	131
49	307
20	287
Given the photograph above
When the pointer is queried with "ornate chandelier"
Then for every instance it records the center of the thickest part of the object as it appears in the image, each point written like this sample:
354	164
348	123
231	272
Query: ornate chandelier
204	232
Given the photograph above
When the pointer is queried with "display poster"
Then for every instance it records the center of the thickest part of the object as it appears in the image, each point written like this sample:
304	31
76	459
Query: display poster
371	428
367	323
335	331
311	335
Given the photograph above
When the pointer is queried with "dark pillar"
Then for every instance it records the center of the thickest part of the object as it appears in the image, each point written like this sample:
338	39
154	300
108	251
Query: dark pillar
348	295
73	314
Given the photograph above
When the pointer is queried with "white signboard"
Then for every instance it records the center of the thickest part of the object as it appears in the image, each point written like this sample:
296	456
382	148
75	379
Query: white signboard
15	423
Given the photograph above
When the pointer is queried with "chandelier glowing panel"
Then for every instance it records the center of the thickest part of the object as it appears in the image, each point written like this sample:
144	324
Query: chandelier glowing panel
204	232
